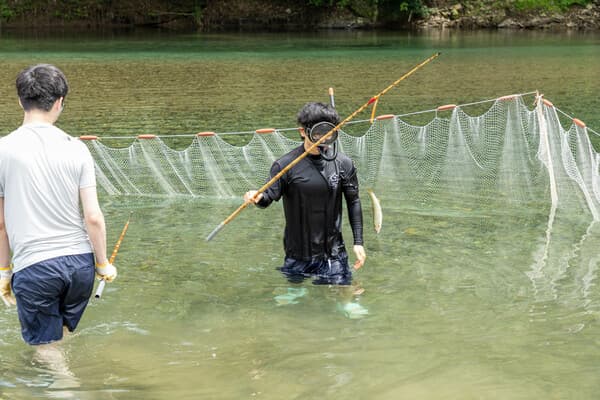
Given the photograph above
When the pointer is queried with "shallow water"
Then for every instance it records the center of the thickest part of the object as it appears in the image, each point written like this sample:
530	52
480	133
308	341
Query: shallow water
465	302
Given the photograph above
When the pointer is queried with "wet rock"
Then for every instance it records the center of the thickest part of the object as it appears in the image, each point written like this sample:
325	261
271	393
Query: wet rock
510	24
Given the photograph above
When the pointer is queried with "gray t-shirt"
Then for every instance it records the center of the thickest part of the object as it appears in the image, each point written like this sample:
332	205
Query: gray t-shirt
41	171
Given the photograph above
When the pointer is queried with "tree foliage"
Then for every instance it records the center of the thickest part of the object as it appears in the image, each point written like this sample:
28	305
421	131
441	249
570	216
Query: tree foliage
551	5
143	11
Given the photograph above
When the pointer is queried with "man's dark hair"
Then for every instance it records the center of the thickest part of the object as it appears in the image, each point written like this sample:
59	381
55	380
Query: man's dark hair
314	112
39	86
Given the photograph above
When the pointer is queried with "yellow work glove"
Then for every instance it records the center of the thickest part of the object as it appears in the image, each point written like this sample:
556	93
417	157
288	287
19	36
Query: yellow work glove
5	292
106	272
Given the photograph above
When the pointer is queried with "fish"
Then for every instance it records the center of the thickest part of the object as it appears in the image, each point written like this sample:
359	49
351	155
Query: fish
377	213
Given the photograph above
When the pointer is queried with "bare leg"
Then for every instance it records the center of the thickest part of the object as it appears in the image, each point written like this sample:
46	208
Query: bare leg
53	357
348	301
291	296
346	293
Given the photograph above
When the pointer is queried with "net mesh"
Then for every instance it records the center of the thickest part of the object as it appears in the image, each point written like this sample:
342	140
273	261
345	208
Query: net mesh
510	154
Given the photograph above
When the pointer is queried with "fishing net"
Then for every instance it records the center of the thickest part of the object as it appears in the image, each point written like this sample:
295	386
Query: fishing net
513	153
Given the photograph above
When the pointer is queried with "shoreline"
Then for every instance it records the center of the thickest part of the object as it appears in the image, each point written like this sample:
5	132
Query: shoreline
272	17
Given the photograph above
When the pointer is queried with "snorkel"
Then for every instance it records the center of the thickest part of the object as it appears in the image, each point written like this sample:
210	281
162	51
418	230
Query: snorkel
328	148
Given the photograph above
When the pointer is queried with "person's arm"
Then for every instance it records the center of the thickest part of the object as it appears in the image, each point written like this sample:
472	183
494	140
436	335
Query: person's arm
4	245
94	222
272	193
351	194
5	267
355	217
96	229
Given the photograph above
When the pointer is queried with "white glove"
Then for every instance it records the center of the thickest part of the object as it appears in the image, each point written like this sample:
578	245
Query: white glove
5	292
106	272
249	195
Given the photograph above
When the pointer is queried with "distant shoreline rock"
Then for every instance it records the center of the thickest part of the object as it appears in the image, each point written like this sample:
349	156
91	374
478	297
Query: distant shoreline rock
576	18
291	16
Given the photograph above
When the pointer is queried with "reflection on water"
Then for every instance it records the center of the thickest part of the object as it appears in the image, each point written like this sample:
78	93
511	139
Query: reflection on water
452	312
174	84
462	301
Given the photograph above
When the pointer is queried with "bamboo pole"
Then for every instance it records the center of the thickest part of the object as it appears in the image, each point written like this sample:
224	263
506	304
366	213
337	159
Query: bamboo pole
317	143
102	283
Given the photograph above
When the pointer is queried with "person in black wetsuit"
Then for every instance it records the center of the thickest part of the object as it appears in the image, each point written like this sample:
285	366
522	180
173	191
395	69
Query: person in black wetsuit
312	192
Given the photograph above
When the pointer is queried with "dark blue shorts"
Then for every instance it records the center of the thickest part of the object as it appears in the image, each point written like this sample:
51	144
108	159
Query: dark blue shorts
332	271
51	294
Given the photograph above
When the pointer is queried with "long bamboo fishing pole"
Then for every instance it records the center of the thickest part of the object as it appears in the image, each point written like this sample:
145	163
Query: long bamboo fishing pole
331	98
6	302
102	283
317	143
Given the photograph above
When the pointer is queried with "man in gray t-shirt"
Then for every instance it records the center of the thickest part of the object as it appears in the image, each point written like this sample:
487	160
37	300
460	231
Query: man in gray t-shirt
45	175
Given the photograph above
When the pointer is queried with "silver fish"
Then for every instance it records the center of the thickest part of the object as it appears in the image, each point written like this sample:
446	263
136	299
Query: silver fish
377	213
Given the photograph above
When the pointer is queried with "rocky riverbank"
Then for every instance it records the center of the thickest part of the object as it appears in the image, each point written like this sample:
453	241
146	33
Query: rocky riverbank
459	16
289	15
231	14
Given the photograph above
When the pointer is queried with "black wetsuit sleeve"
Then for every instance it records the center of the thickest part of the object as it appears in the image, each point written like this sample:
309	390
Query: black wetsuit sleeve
273	192
354	206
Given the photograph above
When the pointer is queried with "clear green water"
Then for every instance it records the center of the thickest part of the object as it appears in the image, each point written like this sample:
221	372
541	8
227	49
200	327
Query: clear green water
455	310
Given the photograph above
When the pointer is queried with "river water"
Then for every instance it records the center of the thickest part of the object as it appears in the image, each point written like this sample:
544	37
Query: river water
456	310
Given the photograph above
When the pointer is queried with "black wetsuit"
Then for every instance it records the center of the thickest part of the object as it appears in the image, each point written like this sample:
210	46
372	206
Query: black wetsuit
312	199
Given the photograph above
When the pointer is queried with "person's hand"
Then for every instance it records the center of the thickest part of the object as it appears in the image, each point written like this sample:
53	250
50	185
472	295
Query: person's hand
359	252
106	272
249	195
5	292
